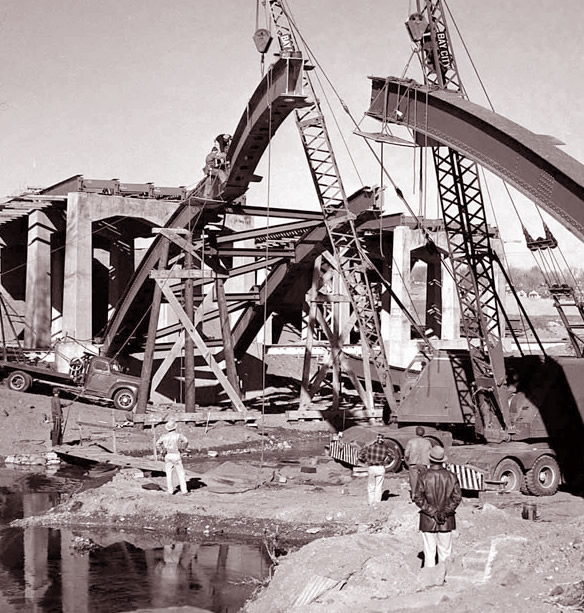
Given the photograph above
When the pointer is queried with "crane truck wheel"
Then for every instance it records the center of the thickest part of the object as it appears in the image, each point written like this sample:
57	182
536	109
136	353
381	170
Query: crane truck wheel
395	465
19	381
510	474
125	399
543	479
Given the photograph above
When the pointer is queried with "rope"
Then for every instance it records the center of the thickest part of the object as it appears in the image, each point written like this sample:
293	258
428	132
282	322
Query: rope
265	306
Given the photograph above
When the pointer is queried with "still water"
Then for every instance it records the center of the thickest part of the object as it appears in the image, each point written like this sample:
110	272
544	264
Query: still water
45	570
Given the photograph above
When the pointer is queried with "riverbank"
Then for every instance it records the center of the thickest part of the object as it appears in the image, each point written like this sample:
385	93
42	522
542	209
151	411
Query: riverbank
275	483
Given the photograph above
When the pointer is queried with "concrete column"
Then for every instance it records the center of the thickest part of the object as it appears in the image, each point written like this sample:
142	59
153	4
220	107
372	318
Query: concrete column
57	280
77	292
37	332
450	303
399	326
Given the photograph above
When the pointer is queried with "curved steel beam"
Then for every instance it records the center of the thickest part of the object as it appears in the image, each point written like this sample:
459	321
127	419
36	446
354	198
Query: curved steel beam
277	95
530	162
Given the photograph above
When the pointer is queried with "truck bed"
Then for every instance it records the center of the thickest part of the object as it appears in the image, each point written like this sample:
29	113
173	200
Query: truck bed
38	373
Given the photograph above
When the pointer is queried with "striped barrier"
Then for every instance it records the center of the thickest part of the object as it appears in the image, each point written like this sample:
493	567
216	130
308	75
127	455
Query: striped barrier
469	477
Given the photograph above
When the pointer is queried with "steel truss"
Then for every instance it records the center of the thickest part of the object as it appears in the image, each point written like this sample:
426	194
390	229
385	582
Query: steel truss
352	262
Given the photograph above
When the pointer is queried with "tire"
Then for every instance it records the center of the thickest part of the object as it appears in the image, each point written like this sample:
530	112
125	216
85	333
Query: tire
396	464
125	399
543	479
510	473
19	381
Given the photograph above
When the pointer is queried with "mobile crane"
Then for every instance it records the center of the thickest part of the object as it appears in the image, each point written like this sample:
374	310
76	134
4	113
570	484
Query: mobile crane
523	417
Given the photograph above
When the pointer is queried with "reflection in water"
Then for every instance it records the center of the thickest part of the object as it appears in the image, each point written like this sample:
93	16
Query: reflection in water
43	571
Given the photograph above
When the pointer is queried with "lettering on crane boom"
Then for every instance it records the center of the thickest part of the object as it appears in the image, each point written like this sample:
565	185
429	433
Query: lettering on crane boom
443	52
286	42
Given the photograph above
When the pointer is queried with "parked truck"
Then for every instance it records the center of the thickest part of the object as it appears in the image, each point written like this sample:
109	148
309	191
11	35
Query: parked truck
91	376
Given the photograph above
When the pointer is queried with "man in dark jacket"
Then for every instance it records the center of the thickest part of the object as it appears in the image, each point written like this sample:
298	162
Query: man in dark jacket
438	495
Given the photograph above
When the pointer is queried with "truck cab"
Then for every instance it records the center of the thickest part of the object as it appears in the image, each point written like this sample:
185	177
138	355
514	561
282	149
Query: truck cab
104	378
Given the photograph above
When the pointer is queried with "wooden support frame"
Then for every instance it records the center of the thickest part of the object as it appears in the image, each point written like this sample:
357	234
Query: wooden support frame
206	352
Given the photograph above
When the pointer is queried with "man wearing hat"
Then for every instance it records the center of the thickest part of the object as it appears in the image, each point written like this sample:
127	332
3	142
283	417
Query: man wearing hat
438	495
171	444
377	456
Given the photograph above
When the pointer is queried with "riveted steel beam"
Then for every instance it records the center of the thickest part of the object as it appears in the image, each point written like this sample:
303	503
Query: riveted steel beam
530	162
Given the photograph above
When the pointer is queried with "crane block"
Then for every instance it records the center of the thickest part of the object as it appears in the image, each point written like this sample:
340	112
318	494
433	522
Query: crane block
262	39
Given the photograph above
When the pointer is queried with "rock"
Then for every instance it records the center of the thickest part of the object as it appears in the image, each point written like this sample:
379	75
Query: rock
489	508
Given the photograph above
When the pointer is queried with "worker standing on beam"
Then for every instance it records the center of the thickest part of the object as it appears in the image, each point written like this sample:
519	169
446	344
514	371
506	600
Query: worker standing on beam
171	445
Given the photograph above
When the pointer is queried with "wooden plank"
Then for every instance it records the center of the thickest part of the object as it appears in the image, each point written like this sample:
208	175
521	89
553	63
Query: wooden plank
316	414
96	454
228	354
102	425
150	418
147	363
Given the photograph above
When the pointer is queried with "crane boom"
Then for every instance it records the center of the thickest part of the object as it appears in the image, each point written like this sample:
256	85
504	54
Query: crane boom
467	232
352	262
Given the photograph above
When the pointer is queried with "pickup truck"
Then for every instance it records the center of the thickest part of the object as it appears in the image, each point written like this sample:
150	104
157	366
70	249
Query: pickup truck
90	376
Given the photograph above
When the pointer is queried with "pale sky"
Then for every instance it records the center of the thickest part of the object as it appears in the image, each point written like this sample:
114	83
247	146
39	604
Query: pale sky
138	89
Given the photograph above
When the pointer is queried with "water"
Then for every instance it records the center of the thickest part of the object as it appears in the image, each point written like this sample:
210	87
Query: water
46	570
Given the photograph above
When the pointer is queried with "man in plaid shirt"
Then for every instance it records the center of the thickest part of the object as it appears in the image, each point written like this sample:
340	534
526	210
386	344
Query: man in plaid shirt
377	456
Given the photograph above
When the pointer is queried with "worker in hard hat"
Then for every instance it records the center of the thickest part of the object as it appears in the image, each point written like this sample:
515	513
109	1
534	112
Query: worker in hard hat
171	444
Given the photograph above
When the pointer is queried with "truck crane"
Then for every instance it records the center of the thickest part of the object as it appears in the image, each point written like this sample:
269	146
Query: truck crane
523	416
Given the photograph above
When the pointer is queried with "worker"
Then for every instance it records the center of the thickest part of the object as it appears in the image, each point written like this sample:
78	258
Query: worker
438	495
417	456
223	141
210	161
171	445
56	418
377	456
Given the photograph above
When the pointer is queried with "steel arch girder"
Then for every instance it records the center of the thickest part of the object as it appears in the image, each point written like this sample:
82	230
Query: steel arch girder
278	94
531	162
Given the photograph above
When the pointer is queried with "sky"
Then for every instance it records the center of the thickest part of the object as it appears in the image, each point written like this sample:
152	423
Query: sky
138	89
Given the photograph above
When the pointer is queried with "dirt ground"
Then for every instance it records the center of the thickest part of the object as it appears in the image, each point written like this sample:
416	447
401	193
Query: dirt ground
333	553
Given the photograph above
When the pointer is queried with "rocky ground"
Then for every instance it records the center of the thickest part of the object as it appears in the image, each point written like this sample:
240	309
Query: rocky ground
332	551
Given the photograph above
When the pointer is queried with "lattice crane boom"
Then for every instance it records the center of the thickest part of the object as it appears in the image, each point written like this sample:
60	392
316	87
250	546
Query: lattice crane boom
467	232
351	260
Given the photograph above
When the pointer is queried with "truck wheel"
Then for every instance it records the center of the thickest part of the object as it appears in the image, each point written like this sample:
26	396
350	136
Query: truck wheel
543	479
19	381
396	464
125	399
509	472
